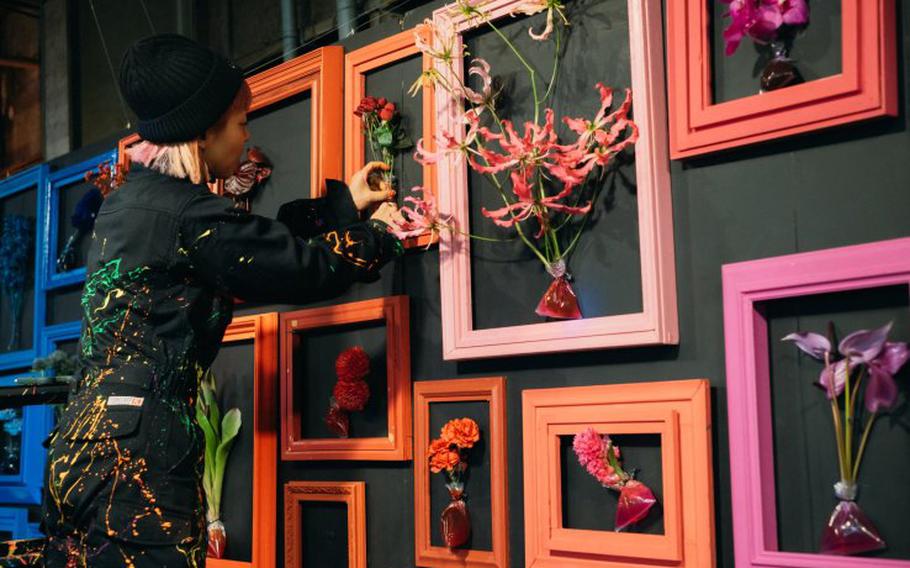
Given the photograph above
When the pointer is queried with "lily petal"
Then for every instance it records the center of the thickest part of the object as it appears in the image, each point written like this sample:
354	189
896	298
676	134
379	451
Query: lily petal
836	373
893	356
864	345
881	390
813	344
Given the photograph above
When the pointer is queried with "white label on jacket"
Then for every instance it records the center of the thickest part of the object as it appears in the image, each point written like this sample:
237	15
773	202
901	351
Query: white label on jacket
125	400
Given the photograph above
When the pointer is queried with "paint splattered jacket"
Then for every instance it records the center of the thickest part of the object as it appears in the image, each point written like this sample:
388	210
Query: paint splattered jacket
167	258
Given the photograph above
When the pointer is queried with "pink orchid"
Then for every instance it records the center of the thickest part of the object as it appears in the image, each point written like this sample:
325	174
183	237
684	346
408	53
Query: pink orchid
761	19
421	217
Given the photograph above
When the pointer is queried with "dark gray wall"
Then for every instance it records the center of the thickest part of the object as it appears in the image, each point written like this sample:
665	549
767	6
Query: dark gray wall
816	191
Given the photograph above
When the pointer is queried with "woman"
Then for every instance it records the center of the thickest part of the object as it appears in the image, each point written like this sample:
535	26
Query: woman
167	257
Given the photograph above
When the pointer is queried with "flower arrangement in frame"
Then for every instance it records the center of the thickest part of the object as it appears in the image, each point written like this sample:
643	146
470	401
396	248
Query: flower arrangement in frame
360	65
448	453
602	459
351	392
470	418
856	379
864	356
678	413
540	179
771	23
16	240
863	87
385	135
383	322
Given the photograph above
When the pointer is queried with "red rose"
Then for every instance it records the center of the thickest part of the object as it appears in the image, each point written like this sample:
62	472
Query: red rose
387	112
381	102
368	104
352	364
351	396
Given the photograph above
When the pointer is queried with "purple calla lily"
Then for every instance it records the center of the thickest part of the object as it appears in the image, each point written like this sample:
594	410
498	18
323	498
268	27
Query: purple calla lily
864	345
813	344
881	390
836	373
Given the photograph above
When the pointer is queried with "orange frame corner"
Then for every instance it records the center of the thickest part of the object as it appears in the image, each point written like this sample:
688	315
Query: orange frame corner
262	329
493	391
866	87
351	493
357	64
679	411
396	446
321	72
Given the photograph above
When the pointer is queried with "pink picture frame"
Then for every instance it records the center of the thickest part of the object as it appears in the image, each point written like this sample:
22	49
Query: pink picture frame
865	88
749	389
657	322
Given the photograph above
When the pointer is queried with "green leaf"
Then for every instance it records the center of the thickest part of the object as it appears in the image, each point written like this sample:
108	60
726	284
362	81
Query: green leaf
229	428
384	135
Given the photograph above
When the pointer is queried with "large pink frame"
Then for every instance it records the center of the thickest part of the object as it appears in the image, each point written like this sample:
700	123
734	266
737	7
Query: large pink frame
865	88
657	322
749	389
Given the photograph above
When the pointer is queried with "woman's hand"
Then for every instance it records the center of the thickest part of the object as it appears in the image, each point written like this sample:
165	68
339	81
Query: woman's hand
389	214
363	196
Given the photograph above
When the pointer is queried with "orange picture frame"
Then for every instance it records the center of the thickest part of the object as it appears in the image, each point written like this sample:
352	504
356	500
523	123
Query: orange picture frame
351	493
679	411
357	64
867	86
396	445
493	391
262	329
321	72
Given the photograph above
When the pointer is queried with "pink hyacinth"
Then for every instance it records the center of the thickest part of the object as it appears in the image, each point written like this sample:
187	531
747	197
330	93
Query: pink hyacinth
591	448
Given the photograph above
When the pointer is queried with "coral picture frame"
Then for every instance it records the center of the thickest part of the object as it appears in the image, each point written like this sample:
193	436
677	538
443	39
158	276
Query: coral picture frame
866	87
396	445
656	323
321	72
262	330
357	64
856	267
491	390
351	493
679	412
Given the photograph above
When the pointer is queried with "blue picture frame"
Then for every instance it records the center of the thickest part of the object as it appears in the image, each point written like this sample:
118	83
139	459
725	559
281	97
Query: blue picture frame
25	487
34	177
52	279
15	521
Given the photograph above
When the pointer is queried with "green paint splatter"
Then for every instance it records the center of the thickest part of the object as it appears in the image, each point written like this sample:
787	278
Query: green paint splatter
109	282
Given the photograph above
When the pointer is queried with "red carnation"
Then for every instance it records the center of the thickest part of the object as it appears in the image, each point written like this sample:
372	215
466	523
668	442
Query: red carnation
352	364
387	112
351	396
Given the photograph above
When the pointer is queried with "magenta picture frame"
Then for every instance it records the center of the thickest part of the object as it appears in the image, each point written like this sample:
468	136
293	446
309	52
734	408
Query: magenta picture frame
752	481
656	323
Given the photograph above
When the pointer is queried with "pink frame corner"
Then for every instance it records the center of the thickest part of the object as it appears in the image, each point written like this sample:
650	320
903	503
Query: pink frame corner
865	88
748	383
657	322
679	412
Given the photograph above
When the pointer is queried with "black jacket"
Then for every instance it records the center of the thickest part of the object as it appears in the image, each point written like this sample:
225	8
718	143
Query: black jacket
166	260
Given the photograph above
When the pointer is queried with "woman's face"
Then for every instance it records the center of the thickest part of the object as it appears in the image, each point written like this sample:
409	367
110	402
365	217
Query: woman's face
223	144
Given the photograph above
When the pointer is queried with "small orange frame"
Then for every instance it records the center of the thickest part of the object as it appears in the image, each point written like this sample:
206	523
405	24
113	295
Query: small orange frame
679	411
356	66
396	446
262	329
351	493
320	72
493	391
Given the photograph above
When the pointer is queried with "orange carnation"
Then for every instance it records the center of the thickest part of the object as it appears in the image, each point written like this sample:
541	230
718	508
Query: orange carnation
463	432
441	456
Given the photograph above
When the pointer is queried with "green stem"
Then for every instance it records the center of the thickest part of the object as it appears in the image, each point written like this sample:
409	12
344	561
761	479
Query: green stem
862	445
859	379
835	412
531	73
555	68
848	419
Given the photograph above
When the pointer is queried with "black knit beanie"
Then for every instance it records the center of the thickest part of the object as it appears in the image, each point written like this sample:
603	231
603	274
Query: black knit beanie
176	87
